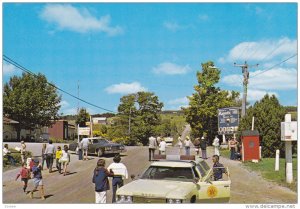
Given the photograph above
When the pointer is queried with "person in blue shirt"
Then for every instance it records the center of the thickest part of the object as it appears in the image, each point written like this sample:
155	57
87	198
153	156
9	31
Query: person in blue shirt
218	169
37	179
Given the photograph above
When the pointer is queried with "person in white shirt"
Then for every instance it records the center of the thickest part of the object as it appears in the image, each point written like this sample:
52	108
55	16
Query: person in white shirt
65	159
187	145
216	145
6	153
152	147
162	147
85	145
23	151
120	173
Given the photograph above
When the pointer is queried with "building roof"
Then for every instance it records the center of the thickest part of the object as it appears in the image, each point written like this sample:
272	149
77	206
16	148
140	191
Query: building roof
9	121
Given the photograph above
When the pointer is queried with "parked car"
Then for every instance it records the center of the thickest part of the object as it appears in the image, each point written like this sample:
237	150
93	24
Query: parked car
100	147
176	181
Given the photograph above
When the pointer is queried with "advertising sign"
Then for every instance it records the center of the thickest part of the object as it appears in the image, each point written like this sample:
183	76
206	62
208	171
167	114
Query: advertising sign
289	131
84	131
228	120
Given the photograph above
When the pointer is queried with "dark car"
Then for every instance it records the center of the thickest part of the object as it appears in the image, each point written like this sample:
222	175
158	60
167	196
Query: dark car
100	146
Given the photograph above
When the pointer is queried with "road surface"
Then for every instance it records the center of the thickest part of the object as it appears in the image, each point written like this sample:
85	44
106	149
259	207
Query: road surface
77	187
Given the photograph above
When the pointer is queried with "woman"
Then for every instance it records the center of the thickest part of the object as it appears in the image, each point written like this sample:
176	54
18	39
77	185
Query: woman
65	159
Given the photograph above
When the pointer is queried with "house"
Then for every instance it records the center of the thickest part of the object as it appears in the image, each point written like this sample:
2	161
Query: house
99	120
61	129
9	130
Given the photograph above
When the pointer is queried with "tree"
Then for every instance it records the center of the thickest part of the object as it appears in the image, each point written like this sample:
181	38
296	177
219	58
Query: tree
141	111
31	101
268	115
83	117
202	113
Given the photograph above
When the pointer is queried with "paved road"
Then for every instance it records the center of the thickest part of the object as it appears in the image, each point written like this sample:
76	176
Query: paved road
247	187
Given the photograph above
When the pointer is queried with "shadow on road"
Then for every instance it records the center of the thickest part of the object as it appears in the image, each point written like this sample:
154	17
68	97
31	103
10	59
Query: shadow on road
48	195
71	173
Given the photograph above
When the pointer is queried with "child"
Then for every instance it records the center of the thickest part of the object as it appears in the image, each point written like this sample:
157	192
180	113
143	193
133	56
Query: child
25	176
65	159
37	179
100	179
58	155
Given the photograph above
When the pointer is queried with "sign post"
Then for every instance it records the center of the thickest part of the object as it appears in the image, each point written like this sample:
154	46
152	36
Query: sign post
228	121
288	134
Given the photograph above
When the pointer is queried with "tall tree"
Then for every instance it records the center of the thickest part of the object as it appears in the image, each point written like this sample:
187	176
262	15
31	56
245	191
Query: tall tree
31	101
268	114
83	117
202	113
140	113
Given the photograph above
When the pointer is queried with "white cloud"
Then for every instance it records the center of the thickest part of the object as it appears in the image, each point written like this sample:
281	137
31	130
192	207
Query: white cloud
172	26
255	95
9	69
125	88
69	111
203	17
179	101
262	50
171	69
77	20
64	104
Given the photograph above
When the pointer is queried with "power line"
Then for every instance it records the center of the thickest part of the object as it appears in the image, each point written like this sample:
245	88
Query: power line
275	65
7	59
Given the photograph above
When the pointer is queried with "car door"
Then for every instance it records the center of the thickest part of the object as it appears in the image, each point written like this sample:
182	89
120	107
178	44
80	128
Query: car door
210	191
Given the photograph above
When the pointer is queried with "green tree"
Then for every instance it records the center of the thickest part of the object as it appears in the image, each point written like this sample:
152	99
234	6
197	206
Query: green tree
268	115
202	113
141	110
31	101
83	117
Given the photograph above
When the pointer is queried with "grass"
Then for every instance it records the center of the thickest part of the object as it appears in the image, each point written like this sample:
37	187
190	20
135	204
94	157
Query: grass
266	167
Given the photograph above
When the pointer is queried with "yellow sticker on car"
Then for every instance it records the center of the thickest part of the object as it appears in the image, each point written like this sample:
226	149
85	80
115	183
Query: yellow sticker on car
212	191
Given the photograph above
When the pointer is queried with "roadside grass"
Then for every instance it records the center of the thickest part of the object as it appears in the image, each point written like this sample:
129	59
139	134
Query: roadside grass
266	168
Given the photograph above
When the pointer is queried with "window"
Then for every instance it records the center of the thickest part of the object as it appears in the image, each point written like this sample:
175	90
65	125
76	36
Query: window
170	173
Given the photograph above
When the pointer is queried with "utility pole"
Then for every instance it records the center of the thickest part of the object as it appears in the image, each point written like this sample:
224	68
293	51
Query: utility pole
245	72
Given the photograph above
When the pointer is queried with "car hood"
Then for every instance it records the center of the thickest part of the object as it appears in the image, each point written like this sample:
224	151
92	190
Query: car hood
157	188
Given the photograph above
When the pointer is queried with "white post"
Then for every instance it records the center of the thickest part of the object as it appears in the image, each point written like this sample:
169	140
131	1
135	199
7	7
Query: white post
91	124
224	139
277	161
288	155
259	152
78	134
252	123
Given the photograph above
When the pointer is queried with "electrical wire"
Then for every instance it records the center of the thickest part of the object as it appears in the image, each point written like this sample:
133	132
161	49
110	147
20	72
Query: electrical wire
7	59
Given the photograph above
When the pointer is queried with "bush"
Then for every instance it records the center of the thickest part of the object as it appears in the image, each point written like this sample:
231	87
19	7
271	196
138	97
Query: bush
16	156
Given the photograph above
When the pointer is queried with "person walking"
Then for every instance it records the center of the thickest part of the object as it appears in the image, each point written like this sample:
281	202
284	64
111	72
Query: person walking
37	179
85	146
44	157
58	155
120	173
23	151
65	159
187	145
232	147
152	147
25	176
197	145
203	145
50	152
179	142
216	144
7	154
100	179
162	147
79	151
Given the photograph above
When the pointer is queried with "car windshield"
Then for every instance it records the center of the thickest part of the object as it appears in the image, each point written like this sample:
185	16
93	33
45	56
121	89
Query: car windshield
169	173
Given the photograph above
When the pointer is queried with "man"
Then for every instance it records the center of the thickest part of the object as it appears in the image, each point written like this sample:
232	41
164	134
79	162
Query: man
216	145
6	153
187	145
203	145
152	147
120	173
218	168
85	145
23	151
50	153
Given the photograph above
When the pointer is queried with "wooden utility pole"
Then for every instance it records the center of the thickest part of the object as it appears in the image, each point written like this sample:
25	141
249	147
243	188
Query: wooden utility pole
245	72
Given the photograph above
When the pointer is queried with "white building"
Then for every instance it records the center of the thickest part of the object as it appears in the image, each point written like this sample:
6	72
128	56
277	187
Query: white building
99	120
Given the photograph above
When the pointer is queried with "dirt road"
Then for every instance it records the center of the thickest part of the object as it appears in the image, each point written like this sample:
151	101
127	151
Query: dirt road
77	187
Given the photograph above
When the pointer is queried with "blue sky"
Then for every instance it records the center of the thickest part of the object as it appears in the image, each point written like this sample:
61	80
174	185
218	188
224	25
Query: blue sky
113	49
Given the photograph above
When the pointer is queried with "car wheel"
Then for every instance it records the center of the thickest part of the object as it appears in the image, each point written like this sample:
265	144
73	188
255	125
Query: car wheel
100	152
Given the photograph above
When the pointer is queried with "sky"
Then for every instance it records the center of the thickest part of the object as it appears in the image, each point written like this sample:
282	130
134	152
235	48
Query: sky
113	49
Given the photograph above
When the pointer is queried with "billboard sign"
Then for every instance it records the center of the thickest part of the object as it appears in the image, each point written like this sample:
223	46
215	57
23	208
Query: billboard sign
228	120
84	131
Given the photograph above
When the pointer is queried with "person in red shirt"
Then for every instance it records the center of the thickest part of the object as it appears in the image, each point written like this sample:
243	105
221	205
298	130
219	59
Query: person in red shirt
25	176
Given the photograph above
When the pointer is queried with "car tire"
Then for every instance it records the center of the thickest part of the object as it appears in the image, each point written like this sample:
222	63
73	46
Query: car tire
100	152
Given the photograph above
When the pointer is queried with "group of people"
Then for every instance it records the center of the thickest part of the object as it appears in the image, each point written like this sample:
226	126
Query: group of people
155	143
116	170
